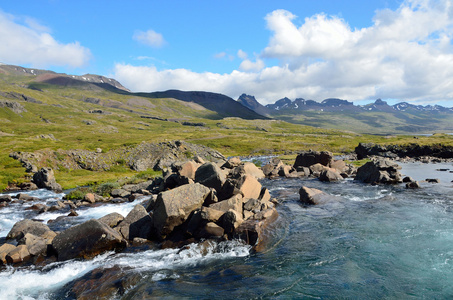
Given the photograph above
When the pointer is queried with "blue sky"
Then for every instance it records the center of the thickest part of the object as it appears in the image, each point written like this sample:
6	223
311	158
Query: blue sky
355	50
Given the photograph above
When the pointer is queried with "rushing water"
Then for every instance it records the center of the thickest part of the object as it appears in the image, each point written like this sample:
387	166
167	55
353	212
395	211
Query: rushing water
376	242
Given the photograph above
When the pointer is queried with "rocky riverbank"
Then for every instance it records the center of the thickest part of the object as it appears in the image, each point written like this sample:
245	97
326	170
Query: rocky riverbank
193	201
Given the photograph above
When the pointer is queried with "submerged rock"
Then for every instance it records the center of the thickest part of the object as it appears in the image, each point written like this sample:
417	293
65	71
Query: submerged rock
314	196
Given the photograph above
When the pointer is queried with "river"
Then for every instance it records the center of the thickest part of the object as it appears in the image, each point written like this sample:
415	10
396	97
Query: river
376	242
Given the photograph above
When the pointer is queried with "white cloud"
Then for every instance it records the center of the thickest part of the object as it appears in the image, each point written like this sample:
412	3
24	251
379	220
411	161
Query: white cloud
149	38
32	44
406	54
248	65
242	54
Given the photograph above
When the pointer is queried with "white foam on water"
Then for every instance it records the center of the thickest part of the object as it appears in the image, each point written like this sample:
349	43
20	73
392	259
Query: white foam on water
105	209
35	283
192	255
38	283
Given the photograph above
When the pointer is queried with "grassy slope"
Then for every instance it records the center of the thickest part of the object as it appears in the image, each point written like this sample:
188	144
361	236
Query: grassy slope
64	114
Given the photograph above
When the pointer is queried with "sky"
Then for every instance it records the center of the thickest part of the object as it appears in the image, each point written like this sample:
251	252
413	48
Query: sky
360	51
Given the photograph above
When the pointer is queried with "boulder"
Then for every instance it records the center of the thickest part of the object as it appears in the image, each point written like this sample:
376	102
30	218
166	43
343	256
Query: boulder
339	165
317	169
211	214
309	158
230	220
26	197
314	196
412	185
4	250
232	163
112	219
36	245
86	240
330	175
380	170
210	175
246	185
432	180
235	203
5	198
18	255
271	169
408	179
27	226
120	193
253	231
187	169
173	207
138	223
89	197
287	171
45	178
212	230
253	170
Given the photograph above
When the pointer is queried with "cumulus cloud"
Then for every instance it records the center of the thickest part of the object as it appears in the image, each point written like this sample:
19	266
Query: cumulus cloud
26	42
149	38
406	54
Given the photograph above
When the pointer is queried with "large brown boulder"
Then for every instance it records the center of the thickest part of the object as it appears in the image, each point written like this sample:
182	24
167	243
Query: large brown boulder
330	175
138	223
87	240
45	178
36	245
173	207
210	175
18	255
4	250
235	203
27	226
247	185
379	171
112	219
187	169
309	158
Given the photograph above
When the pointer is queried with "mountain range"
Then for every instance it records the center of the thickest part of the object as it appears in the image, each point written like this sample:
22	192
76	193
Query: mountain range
378	117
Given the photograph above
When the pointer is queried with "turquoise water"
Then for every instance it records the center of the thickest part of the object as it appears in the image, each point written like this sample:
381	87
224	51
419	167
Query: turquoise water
377	242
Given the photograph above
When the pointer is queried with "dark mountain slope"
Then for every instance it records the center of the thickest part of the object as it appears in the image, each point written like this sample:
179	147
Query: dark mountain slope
223	105
250	102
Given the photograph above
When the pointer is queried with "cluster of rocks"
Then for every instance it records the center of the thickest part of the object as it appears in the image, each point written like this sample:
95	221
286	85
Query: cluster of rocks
32	240
319	164
410	152
196	201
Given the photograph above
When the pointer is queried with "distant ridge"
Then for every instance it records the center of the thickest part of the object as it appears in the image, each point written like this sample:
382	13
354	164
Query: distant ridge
50	77
377	117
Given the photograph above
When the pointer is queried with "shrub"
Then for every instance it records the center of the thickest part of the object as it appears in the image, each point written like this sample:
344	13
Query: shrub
105	189
78	193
